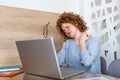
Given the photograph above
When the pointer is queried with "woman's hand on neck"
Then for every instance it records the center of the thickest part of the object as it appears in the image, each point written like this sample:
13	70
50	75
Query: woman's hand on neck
83	38
80	38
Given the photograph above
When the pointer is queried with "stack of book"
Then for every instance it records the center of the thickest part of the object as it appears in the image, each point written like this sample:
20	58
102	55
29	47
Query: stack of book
10	71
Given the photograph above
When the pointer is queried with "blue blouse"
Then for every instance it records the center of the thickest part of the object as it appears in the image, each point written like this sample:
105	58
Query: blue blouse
88	60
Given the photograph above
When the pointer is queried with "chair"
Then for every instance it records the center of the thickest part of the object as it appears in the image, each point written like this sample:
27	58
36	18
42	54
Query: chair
103	65
114	68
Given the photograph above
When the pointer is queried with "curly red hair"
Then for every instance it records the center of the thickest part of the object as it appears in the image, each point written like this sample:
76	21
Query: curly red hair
70	17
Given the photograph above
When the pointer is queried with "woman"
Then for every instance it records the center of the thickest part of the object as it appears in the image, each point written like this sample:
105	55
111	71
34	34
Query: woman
80	50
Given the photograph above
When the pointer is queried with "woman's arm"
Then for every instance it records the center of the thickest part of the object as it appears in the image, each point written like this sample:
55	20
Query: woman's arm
90	54
61	54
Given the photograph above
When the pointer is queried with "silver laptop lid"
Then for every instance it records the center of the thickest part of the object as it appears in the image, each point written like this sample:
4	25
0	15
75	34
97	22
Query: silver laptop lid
39	57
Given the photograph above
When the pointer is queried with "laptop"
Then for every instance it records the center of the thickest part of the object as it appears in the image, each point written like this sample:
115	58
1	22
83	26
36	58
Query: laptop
39	57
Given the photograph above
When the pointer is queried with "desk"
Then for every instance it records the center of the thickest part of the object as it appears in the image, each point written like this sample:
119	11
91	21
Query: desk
33	77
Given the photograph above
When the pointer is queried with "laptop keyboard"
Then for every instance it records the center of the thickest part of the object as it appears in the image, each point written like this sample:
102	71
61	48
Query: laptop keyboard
69	72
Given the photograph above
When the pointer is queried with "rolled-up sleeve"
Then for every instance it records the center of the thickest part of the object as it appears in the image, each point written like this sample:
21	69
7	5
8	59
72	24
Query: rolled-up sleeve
89	55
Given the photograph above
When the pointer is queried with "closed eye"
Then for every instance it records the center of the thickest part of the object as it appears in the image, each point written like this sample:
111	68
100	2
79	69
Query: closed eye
65	28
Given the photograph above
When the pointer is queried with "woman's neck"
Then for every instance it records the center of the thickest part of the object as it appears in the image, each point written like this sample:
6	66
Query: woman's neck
77	36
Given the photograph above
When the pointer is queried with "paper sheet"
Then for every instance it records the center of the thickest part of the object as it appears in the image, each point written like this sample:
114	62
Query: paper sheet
94	78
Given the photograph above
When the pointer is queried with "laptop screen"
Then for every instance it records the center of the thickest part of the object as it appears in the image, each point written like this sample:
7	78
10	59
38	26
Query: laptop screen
38	57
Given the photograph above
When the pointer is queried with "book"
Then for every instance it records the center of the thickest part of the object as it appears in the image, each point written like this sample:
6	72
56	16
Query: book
11	73
9	68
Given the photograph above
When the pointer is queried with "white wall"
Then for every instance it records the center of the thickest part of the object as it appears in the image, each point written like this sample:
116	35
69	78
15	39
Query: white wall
57	6
102	16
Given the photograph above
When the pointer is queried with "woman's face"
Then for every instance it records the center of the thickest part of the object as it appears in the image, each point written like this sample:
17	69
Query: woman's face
69	29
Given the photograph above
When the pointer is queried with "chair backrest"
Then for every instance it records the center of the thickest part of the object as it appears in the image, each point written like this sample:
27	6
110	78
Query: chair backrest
103	65
114	68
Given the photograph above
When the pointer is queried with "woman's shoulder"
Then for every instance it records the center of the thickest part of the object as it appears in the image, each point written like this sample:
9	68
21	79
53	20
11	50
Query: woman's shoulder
68	41
93	39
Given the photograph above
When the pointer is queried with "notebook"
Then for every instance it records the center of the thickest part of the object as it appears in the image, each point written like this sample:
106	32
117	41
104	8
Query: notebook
39	57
